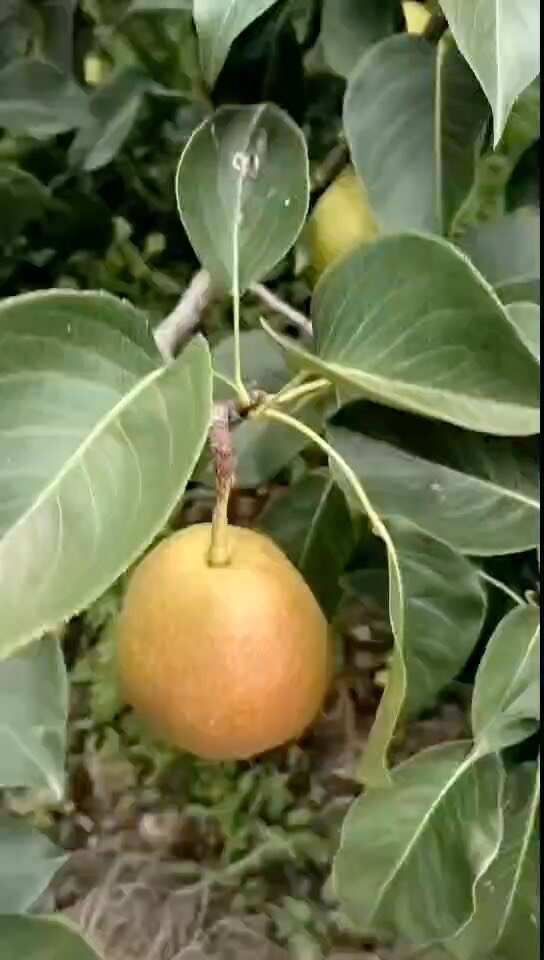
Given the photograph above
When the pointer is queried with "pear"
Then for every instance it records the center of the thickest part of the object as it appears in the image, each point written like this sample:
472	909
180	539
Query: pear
340	221
222	661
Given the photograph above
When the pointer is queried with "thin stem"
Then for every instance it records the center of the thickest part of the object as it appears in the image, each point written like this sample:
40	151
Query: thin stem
241	391
377	524
316	386
499	585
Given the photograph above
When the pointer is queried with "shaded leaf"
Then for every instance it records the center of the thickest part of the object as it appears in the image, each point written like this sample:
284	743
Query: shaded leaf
450	483
506	698
218	24
414	118
96	438
28	861
158	6
58	32
38	100
506	252
406	321
113	111
43	938
349	28
436	611
501	43
22	200
262	361
508	891
33	713
526	319
242	191
312	525
424	843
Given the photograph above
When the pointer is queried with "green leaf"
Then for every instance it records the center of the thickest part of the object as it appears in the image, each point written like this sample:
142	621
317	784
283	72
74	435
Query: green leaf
262	361
414	118
407	322
38	100
506	251
97	442
22	200
425	843
451	483
349	28
506	699
58	32
436	610
242	191
33	712
508	891
43	938
113	111
526	319
311	523
501	42
28	861
158	6
218	24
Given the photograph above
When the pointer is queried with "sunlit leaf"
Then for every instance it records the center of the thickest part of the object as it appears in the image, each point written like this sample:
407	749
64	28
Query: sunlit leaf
450	483
407	322
33	712
97	442
501	41
43	938
411	855
218	23
28	861
38	100
242	191
506	699
312	525
414	117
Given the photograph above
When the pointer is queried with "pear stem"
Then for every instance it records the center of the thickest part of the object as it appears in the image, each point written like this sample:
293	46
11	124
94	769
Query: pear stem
223	456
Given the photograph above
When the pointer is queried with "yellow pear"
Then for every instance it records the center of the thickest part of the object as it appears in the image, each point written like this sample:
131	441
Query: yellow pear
223	661
340	221
416	16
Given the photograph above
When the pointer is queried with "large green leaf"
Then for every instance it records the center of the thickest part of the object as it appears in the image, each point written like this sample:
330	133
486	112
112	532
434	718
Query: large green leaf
43	938
33	712
113	111
436	610
408	322
242	191
506	897
501	41
39	100
349	28
218	24
28	861
411	855
414	117
313	526
526	319
506	699
507	253
22	200
452	484
97	442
